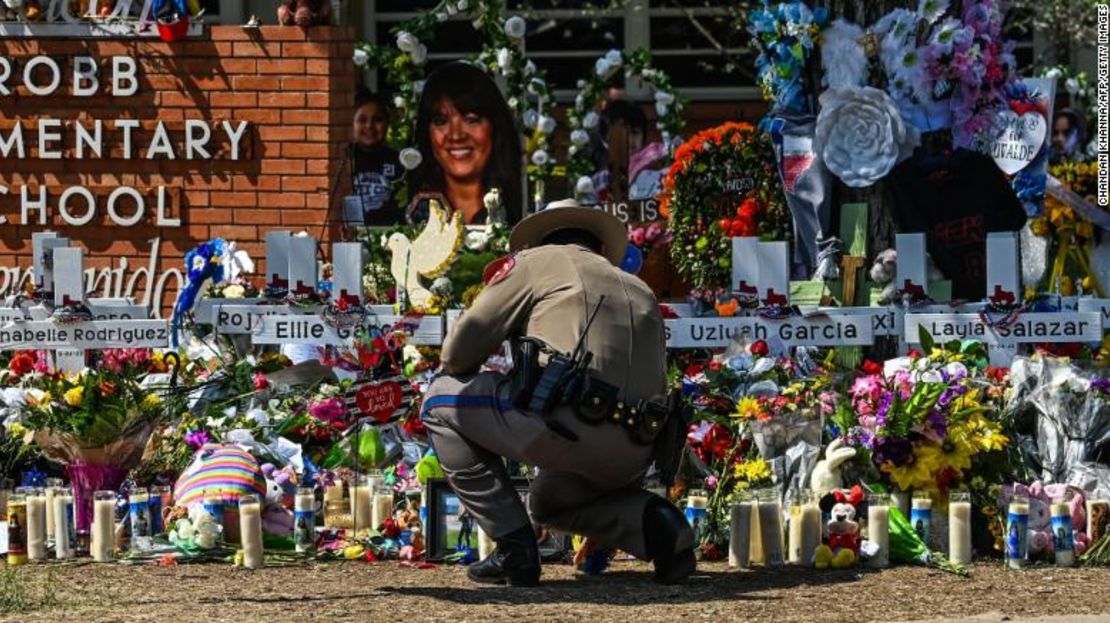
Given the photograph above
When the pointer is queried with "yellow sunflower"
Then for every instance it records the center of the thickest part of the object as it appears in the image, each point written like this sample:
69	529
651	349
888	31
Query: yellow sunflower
748	408
917	473
955	452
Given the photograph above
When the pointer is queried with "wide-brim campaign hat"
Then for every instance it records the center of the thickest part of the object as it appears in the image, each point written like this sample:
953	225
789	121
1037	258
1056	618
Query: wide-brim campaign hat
568	214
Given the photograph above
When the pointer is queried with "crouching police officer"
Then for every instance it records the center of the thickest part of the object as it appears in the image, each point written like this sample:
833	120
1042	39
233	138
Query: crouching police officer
584	402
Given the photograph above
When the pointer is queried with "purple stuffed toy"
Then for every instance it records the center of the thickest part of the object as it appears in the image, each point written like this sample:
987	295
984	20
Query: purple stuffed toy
1040	501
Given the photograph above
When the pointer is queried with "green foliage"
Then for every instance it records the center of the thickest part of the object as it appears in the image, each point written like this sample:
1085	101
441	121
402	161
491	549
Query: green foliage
19	595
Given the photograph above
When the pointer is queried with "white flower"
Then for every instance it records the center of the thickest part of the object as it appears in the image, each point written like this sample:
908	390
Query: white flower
463	4
513	103
603	68
504	60
579	101
529	68
13	397
476	240
407	42
235	291
531	118
546	124
1054	74
573	149
535	85
591	120
398	102
451	8
410	158
931	10
664	98
184	529
1072	85
441	17
584	186
581	84
649	74
540	158
419	55
661	109
515	27
361	57
860	135
579	137
614	57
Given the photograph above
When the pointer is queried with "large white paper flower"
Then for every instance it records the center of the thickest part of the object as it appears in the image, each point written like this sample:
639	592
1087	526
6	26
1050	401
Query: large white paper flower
546	124
407	42
861	136
410	158
515	27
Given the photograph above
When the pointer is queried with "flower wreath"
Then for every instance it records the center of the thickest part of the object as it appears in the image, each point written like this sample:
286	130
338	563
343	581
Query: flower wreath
502	55
724	182
591	92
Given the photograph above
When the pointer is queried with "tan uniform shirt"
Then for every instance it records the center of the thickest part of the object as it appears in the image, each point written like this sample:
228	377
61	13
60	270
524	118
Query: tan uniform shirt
548	294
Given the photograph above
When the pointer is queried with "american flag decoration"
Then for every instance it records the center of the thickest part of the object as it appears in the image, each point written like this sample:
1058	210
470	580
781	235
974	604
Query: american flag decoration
383	400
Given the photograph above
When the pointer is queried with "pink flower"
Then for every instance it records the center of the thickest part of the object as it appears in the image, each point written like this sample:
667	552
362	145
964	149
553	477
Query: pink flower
260	381
653	232
197	439
330	410
636	236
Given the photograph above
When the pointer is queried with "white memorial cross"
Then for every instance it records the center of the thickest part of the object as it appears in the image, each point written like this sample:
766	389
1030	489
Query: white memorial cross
76	336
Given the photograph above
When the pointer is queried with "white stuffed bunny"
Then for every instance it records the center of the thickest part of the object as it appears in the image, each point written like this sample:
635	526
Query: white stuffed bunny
826	474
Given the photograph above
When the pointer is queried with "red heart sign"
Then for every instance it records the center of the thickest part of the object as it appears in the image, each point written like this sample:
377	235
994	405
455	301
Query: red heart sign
379	400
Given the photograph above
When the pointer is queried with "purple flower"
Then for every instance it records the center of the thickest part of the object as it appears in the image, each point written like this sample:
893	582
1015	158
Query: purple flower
1102	385
885	402
896	451
197	438
937	422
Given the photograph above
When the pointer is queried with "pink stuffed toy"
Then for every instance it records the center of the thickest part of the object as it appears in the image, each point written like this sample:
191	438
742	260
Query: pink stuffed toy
1040	519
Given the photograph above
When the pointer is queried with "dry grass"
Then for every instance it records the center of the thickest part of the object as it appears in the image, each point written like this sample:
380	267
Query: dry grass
389	592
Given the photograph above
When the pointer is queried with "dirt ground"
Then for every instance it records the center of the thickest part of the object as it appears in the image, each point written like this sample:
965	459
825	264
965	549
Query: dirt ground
389	592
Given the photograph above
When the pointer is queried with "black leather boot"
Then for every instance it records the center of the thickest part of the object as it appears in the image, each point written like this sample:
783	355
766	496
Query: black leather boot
670	543
515	561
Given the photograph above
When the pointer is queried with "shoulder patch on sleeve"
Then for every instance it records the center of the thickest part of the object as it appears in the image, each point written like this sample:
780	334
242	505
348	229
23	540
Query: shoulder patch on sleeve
497	270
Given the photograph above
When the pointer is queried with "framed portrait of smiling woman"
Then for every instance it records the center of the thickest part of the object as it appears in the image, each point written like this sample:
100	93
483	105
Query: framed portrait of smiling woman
470	145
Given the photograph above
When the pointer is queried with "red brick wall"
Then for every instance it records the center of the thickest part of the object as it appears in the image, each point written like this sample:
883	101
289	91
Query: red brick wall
294	86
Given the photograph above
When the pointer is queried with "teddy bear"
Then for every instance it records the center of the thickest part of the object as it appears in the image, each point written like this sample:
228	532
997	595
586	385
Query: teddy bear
304	13
843	544
281	486
884	269
1040	496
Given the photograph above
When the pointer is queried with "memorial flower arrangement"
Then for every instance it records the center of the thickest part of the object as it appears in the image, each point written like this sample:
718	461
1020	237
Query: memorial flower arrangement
786	35
923	420
502	56
1070	234
724	182
584	118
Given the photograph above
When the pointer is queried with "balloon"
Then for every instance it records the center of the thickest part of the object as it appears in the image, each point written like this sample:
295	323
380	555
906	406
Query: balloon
633	260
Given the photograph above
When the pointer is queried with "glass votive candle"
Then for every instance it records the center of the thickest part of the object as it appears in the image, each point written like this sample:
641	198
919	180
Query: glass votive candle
102	545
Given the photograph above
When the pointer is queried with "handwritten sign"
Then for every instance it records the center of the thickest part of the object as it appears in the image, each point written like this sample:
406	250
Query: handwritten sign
379	400
96	334
1097	306
821	330
1020	141
1028	328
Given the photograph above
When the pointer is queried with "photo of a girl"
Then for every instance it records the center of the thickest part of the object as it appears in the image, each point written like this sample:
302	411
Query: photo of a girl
470	143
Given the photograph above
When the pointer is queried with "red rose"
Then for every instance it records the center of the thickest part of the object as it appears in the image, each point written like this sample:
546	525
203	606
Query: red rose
915	354
759	348
714	366
22	363
870	367
725	224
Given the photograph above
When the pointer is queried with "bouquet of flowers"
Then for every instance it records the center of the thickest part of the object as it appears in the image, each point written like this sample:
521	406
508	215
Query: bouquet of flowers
1070	234
923	419
98	421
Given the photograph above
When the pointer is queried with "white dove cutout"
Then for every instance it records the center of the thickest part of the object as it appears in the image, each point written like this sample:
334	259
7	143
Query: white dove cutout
429	256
